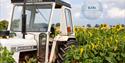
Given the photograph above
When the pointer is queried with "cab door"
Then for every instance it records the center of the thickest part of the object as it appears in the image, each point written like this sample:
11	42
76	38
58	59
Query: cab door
66	23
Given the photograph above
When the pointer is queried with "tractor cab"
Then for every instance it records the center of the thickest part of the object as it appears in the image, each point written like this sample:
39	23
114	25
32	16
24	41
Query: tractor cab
40	15
31	26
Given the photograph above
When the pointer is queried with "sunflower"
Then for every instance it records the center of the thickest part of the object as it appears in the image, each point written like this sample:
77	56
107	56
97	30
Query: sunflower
104	26
119	27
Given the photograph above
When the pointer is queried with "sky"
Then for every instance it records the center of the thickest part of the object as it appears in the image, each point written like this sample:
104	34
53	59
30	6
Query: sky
113	12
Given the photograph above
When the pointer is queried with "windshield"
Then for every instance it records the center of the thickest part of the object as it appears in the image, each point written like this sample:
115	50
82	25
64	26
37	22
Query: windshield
37	18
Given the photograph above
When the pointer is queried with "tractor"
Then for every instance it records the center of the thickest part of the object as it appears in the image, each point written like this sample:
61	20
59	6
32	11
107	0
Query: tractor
29	32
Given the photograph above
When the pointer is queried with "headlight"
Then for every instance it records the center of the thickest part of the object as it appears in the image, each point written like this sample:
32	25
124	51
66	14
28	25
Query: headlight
42	39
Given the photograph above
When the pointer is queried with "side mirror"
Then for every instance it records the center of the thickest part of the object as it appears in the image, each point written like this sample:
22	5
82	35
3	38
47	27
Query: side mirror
52	34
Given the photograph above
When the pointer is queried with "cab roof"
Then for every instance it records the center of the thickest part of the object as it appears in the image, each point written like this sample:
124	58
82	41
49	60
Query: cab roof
59	3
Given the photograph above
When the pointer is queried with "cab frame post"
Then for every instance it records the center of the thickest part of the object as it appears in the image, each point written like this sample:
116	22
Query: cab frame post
48	33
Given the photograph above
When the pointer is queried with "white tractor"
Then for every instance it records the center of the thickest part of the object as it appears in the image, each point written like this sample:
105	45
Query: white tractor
30	29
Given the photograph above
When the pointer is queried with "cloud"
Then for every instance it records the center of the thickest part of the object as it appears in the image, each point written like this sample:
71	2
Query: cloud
76	11
77	15
114	3
116	13
118	1
5	9
68	1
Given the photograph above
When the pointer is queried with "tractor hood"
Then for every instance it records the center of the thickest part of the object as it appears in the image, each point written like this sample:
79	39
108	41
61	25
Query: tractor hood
18	44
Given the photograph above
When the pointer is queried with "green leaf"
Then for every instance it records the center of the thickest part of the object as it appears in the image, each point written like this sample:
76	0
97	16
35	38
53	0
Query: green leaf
123	55
6	56
109	59
85	55
102	54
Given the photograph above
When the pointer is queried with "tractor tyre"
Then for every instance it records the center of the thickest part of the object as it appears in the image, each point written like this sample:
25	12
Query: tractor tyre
63	48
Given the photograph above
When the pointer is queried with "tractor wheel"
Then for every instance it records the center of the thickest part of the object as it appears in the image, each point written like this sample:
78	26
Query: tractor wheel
62	48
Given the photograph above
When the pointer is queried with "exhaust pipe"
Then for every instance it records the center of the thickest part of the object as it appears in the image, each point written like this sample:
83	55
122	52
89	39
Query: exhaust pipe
24	20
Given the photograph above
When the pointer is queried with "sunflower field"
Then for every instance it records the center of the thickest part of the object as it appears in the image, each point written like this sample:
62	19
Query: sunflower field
101	44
